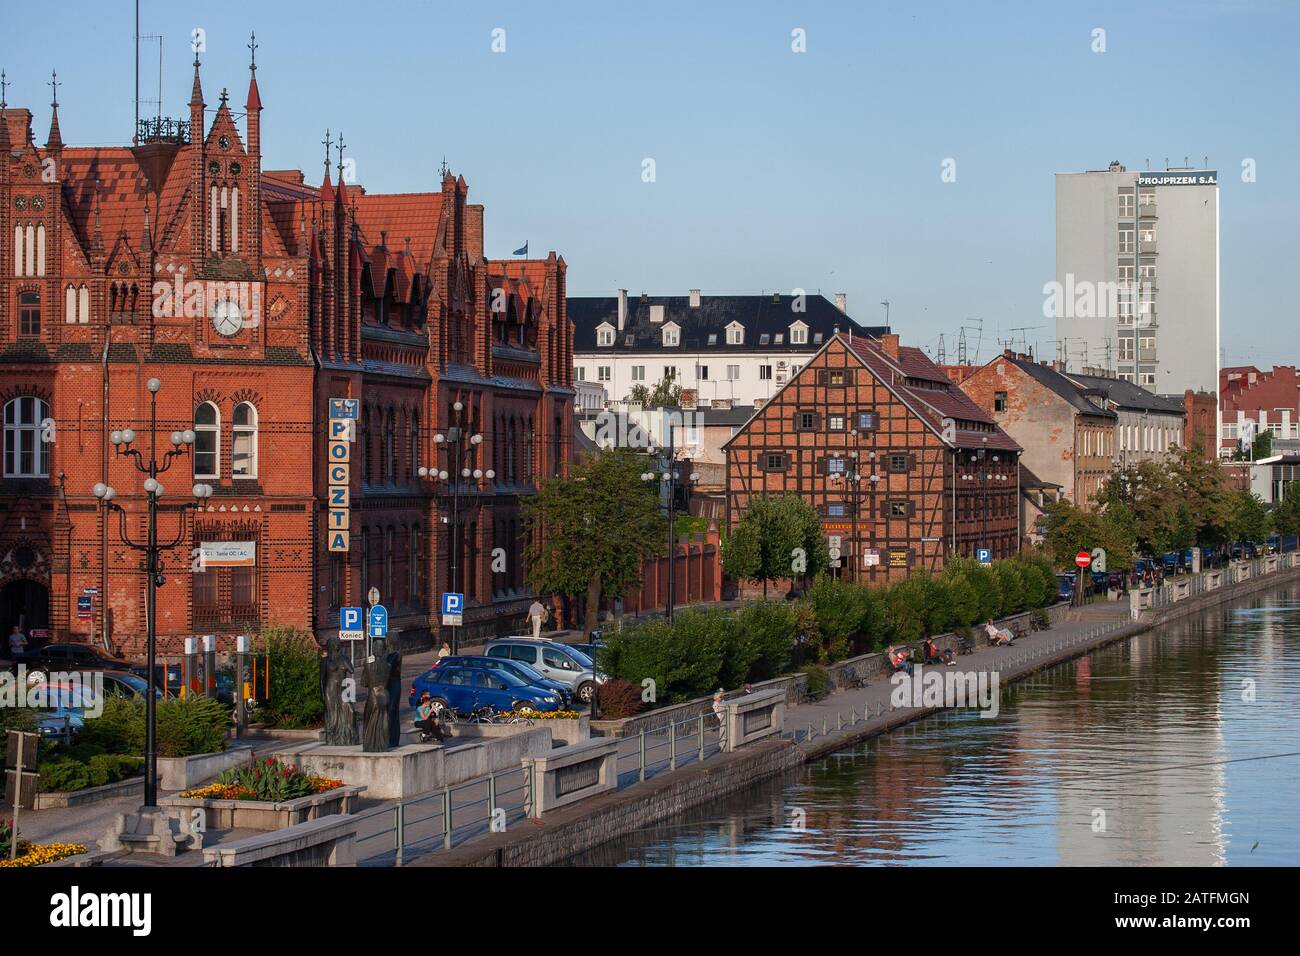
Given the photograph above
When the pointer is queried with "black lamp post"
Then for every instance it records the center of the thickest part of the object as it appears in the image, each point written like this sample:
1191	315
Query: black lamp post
670	477
181	442
459	447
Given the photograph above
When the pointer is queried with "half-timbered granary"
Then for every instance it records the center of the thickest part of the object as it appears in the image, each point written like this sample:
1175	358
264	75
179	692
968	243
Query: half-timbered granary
903	467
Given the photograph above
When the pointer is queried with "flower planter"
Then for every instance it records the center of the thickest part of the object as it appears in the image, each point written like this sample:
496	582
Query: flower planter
266	814
57	799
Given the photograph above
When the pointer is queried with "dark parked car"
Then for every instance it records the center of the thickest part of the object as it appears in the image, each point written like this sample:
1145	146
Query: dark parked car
521	670
74	657
126	684
1064	587
465	690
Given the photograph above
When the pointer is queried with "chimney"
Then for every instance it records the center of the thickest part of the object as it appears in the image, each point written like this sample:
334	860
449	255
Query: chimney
622	308
889	343
1007	353
474	232
695	298
842	302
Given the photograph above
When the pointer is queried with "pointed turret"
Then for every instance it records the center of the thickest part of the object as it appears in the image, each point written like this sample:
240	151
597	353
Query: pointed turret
54	143
198	194
253	112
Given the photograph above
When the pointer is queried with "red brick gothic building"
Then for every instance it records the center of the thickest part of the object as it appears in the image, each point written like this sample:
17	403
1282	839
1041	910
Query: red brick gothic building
903	467
254	298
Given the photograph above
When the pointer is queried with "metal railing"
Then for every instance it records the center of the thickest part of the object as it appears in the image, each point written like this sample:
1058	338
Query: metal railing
396	833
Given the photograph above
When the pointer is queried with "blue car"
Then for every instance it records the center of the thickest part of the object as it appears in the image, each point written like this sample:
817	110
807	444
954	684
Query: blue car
521	670
1064	587
465	690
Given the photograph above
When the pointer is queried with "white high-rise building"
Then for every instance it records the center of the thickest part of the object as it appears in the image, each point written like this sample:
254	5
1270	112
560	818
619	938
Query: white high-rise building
1137	276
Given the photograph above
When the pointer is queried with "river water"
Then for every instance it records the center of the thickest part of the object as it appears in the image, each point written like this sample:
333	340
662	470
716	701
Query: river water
1178	747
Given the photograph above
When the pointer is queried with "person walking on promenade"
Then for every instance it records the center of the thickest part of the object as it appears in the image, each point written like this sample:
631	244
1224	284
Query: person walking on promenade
444	651
537	614
720	711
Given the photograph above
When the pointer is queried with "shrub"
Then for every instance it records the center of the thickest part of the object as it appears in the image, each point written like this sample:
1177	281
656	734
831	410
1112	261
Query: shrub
186	726
684	658
293	658
904	613
618	699
63	775
819	682
840	608
768	630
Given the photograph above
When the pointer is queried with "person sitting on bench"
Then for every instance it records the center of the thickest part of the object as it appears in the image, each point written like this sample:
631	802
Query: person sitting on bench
427	720
932	655
998	636
898	660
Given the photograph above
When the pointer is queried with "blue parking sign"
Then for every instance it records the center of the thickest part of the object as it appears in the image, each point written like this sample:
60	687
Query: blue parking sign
452	606
378	621
984	555
350	626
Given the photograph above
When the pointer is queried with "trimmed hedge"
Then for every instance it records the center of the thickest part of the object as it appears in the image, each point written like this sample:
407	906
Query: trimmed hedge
703	649
185	726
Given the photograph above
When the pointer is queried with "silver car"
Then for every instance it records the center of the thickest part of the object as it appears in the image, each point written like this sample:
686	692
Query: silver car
553	660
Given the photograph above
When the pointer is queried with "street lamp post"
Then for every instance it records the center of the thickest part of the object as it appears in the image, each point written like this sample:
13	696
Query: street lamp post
671	476
455	440
181	442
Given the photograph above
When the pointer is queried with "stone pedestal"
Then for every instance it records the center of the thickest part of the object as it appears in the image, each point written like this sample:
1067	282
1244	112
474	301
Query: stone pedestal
153	830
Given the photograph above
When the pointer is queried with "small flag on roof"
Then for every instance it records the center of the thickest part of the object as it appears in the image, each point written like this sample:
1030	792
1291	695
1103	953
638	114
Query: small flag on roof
522	250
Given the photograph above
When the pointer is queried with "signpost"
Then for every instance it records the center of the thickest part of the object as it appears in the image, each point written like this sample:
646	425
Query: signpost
342	432
376	626
984	555
1082	560
20	784
453	606
350	626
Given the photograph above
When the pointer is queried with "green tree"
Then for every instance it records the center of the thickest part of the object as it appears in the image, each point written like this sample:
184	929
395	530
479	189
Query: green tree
665	394
1251	519
1286	513
590	533
778	537
1262	447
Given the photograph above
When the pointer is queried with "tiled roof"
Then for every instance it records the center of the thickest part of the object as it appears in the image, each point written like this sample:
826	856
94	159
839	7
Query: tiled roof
1077	395
123	194
1127	395
924	387
761	315
400	215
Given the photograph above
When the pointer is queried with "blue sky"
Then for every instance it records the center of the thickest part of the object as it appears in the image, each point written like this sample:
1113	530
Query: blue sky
774	169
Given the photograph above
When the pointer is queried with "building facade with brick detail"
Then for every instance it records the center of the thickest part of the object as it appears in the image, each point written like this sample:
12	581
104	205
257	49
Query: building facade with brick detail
904	469
254	297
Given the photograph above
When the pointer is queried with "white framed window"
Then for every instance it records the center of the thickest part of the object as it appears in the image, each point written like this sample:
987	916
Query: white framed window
27	455
1126	203
605	335
735	334
579	373
672	335
798	333
1147	342
702	373
1147	378
670	372
207	441
638	373
243	442
602	373
1147	232
1126	238
764	372
733	373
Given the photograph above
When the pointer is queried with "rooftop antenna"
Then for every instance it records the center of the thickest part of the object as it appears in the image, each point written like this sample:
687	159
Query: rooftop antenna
885	303
978	328
961	347
443	169
135	132
943	352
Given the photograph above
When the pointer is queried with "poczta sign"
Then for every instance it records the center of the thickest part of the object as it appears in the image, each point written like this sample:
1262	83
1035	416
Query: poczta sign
338	462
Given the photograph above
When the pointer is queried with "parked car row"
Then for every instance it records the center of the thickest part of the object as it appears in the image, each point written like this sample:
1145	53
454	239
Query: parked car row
514	674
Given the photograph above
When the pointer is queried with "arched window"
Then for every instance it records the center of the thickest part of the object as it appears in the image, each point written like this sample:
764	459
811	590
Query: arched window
243	445
26	454
207	441
29	314
70	309
83	305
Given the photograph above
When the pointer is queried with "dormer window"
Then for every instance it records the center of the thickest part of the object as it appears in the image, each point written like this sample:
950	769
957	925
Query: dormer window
735	334
656	314
798	333
672	334
604	334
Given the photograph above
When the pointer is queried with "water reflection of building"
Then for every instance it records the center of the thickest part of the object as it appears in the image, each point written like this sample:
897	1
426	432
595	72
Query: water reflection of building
1151	703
